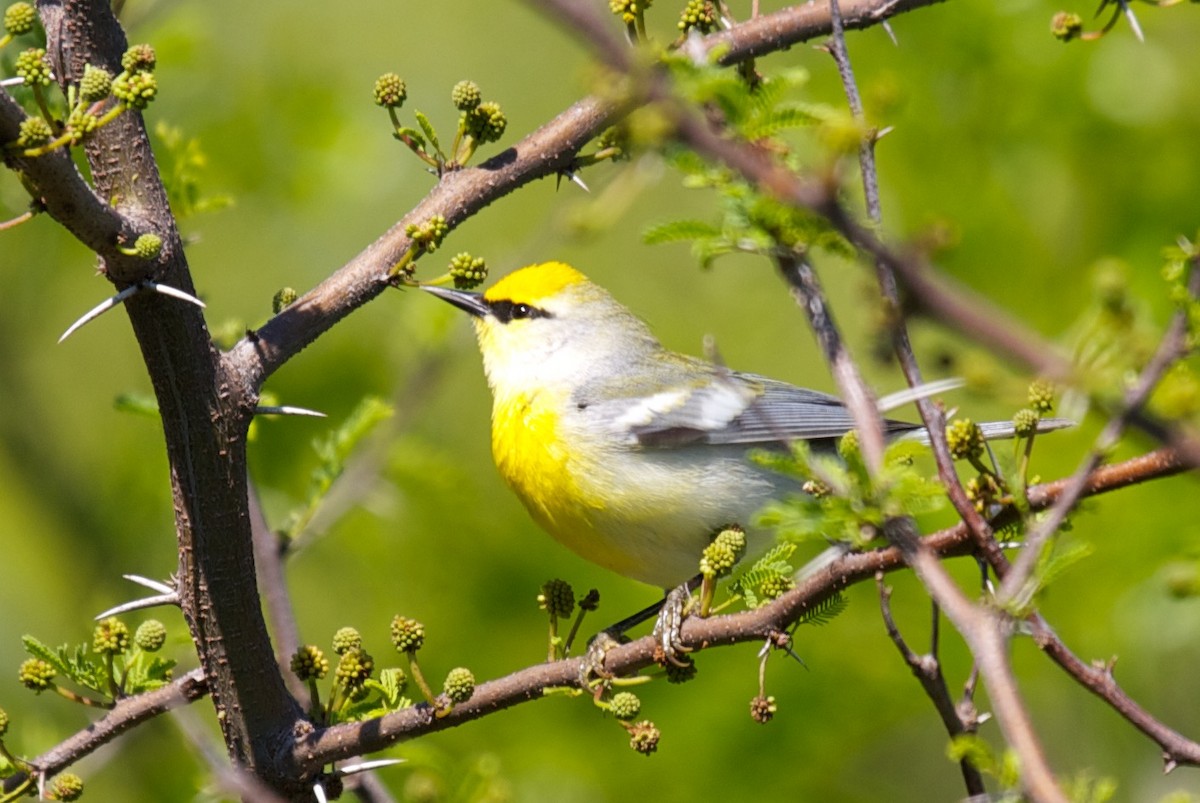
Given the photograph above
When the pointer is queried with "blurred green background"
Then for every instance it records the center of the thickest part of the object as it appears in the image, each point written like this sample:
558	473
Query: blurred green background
1029	159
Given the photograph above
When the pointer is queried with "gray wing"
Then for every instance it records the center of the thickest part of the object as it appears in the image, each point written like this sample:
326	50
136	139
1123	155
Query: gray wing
733	408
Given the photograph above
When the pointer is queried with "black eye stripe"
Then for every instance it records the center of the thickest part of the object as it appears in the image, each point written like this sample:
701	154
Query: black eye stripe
505	311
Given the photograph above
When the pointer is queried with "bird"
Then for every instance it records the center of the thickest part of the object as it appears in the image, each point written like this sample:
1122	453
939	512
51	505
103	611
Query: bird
630	454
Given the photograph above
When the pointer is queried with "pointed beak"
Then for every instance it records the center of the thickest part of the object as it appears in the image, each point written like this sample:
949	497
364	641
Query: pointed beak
472	303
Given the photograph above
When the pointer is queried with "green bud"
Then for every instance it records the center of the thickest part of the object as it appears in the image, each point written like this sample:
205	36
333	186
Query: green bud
1041	396
135	90
34	131
965	439
33	66
19	18
390	91
147	246
465	96
354	669
36	675
643	737
1025	422
3	722
407	634
459	685
150	636
762	709
1066	26
467	271
111	637
67	786
139	58
557	598
700	15
625	706
346	639
309	663
283	298
96	84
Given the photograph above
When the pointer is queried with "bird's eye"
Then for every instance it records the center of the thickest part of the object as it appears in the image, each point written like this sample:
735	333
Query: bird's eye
506	311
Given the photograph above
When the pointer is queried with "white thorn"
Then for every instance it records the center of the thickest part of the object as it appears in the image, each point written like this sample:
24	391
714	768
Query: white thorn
286	409
98	310
153	585
1133	22
174	292
319	793
883	132
887	26
575	179
139	604
364	766
902	397
17	81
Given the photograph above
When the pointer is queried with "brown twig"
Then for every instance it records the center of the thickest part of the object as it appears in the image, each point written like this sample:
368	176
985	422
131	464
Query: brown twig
928	671
342	741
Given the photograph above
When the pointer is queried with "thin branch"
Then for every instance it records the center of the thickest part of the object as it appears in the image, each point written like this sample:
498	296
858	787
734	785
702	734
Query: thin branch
127	713
928	671
347	740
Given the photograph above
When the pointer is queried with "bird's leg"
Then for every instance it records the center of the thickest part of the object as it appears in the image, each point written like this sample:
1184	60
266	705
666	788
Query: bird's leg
673	610
670	612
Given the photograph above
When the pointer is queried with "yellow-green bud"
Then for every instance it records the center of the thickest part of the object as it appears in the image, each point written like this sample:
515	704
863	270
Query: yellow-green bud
486	122
147	246
95	84
354	669
309	663
643	737
283	298
1025	422
459	685
346	639
848	446
557	598
111	637
467	271
19	18
965	439
135	90
1066	25
3	722
465	96
625	706
762	709
719	557
775	586
390	91
700	15
407	634
429	234
33	66
34	131
67	786
150	636
139	58
36	674
81	123
628	10
1041	396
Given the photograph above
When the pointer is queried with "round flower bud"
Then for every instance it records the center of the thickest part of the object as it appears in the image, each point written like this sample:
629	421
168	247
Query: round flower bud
147	246
309	663
150	635
33	66
135	90
67	786
139	58
1025	422
283	298
643	737
625	705
965	439
407	634
354	669
1066	26
36	675
459	685
3	722
775	586
465	95
19	18
390	91
762	709
1041	396
557	598
111	637
681	671
34	131
700	15
95	84
467	271
346	639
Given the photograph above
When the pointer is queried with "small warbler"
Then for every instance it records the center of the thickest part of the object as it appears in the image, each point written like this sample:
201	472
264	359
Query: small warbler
630	454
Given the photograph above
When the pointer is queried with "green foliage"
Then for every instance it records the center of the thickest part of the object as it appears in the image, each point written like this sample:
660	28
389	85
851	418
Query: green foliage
849	509
979	753
767	572
334	451
381	695
182	162
125	670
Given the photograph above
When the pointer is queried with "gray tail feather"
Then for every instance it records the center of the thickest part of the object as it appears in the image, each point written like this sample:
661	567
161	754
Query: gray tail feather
996	430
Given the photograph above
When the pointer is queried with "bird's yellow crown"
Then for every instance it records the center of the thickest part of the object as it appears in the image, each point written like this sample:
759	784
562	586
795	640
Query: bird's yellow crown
535	283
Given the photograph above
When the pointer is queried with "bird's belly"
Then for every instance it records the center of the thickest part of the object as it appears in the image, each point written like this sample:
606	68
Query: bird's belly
645	514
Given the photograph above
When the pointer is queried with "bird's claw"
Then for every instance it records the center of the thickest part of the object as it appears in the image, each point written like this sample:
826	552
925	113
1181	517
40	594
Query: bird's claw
593	660
669	624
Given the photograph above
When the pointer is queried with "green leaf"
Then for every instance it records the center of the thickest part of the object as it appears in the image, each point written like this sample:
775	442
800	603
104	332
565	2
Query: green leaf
678	230
136	403
55	658
427	127
411	133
